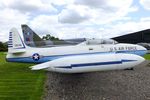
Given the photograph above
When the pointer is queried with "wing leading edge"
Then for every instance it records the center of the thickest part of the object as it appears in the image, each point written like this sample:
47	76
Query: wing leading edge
41	66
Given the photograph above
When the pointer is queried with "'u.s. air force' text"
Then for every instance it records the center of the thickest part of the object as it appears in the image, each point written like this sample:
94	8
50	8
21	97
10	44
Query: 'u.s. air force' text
123	48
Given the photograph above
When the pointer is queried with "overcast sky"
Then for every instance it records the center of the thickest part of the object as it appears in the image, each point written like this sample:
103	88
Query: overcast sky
75	18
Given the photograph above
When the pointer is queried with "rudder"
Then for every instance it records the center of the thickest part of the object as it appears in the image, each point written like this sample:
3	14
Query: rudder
15	43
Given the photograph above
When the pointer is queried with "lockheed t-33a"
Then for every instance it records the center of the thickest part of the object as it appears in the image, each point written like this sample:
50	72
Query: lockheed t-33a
88	56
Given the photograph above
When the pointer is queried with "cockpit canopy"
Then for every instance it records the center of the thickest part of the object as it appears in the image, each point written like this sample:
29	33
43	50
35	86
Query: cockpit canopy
98	41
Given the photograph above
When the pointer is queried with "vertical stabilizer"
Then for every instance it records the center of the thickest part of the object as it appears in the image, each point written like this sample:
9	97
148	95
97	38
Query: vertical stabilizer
15	43
31	38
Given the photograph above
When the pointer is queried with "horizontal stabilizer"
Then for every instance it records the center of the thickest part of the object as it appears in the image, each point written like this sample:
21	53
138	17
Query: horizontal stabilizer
17	51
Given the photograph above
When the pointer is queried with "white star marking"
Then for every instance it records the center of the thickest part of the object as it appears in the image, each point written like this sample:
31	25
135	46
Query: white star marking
36	57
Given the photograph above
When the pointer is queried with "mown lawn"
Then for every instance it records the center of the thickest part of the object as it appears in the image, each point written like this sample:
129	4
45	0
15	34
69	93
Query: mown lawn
147	56
18	82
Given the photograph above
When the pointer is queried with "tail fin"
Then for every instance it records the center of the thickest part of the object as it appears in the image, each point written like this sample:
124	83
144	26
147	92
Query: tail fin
15	43
31	38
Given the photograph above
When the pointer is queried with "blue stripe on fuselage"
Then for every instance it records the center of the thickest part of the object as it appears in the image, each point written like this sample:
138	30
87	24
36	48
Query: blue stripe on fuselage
137	52
49	58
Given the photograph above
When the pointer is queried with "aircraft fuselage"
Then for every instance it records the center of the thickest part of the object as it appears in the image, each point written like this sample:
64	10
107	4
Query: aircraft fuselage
40	55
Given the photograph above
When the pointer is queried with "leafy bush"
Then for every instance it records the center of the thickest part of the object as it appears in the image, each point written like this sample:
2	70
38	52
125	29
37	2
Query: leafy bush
3	46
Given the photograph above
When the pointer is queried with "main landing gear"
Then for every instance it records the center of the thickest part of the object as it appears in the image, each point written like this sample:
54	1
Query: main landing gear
129	68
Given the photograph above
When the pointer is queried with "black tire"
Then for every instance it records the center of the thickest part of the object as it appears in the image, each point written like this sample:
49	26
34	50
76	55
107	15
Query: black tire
130	68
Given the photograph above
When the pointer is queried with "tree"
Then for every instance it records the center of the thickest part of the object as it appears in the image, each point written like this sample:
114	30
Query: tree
3	46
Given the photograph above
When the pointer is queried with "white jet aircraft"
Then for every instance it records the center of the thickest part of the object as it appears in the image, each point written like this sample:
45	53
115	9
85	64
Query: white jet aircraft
87	56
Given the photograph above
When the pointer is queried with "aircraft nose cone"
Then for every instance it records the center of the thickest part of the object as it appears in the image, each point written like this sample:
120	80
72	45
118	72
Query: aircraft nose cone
141	50
145	50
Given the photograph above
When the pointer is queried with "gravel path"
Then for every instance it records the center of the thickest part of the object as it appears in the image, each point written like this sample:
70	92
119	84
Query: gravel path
110	85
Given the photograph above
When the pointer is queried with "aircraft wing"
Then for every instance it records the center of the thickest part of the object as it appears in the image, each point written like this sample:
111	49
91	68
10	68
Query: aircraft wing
41	66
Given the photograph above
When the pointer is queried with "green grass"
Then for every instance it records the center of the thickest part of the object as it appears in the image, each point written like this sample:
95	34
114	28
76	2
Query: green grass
18	82
147	56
